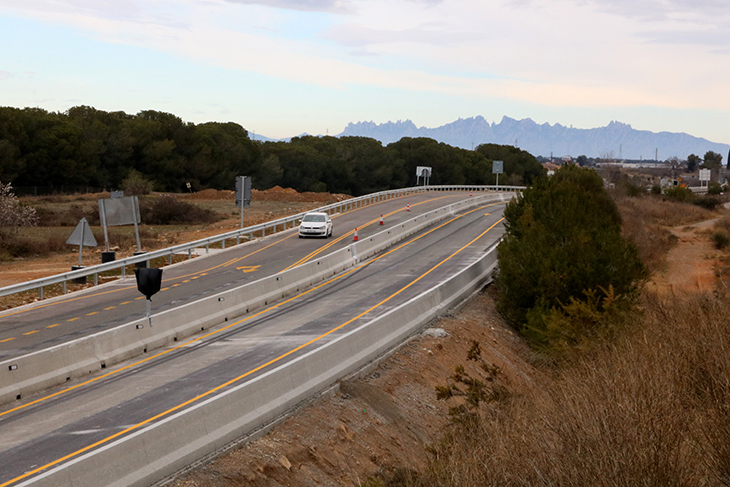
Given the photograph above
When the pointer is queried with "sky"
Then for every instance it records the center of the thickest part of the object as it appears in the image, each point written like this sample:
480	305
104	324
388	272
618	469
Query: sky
281	68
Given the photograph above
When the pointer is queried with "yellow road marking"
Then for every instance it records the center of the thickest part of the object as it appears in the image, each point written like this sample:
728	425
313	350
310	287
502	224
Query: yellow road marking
248	268
125	302
31	332
354	269
110	307
351	232
40	306
53	326
142	297
92	313
260	367
7	340
73	319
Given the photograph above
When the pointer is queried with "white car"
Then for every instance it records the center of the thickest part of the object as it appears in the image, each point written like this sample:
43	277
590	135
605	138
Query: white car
315	224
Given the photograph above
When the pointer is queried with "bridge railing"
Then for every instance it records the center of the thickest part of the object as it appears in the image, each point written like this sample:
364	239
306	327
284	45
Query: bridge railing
264	229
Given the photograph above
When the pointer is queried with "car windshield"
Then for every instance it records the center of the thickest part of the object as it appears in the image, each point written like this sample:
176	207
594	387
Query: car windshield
314	218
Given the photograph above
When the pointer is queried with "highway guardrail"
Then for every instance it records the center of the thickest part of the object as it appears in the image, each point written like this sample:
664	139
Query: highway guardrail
262	228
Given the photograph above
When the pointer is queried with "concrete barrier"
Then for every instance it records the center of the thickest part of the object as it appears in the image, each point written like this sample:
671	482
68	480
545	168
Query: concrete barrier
160	449
46	368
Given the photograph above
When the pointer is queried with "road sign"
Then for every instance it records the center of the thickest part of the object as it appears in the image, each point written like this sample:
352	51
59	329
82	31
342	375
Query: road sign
705	174
497	167
82	235
423	172
243	191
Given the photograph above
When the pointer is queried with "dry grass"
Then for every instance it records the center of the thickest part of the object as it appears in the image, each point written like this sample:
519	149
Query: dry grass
652	410
644	221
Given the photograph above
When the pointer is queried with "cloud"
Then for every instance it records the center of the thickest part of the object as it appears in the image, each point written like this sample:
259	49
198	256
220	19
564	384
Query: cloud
5	75
435	34
659	10
330	6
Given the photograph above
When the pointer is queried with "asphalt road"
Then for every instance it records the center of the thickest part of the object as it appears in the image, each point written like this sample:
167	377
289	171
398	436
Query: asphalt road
48	323
85	414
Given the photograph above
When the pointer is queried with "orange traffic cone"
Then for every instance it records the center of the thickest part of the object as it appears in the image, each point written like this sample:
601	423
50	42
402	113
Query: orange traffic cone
381	219
355	239
408	207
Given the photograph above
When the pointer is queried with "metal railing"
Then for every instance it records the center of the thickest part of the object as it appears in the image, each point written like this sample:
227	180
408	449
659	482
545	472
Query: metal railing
271	227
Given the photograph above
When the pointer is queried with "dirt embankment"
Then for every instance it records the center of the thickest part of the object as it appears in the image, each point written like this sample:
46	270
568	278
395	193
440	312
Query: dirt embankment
379	424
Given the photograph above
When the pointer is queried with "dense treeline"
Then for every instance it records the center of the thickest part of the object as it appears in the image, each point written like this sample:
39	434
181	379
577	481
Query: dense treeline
86	146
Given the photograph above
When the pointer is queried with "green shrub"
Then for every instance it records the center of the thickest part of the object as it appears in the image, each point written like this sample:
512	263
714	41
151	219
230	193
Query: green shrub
707	202
563	240
167	210
720	239
656	189
714	188
678	193
136	184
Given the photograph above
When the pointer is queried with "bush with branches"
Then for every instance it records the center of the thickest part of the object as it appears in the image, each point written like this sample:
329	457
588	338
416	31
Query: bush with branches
563	255
13	214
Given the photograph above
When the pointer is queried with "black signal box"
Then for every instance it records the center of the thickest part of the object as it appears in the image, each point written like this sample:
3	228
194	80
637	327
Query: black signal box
149	281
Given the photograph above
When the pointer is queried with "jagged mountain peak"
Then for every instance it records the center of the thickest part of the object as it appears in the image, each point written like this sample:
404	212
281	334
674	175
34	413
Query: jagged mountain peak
617	138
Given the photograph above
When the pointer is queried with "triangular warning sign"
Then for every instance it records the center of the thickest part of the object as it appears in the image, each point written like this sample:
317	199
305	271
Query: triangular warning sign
82	235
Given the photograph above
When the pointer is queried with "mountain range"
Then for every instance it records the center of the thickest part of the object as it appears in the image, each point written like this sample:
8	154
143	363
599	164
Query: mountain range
616	140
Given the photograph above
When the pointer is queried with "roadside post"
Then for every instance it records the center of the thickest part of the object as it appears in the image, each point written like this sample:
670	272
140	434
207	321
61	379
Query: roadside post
149	281
81	236
425	173
243	197
497	168
116	211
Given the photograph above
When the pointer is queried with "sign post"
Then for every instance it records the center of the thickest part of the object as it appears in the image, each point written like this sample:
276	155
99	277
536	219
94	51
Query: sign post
82	236
149	281
705	176
120	211
423	172
497	168
243	196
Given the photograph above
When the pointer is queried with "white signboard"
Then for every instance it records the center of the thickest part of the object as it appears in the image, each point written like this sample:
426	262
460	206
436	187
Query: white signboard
119	211
705	174
423	172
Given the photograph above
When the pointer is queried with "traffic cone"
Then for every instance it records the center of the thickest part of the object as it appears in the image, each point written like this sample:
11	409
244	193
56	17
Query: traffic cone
408	207
471	192
355	239
381	219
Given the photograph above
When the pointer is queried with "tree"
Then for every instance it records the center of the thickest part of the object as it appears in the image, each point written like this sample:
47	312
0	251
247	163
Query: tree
563	247
713	160
136	184
692	162
14	215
